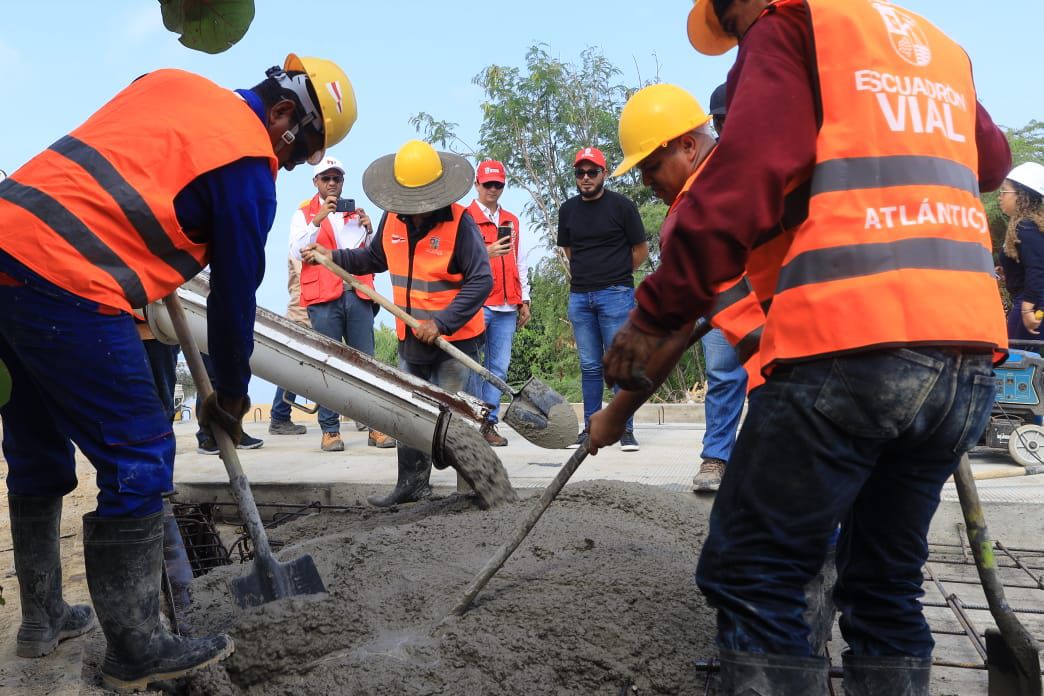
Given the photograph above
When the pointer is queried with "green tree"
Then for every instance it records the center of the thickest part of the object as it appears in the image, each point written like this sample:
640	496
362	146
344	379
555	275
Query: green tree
211	26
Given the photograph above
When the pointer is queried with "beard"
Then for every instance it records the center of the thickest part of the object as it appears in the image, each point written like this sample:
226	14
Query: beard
593	194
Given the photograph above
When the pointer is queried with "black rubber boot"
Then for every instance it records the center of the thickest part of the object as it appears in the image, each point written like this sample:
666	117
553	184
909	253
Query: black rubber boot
754	674
886	676
414	471
46	618
124	558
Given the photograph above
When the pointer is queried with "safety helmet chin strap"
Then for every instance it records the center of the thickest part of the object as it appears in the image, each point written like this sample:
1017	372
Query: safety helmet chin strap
308	113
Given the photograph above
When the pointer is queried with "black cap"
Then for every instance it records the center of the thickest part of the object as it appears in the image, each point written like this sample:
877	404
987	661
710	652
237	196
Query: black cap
717	101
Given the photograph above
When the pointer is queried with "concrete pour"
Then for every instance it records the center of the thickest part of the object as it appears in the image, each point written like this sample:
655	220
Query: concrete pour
598	599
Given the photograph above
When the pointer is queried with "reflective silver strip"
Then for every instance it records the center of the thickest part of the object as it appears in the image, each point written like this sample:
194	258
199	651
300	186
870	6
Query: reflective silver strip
419	313
131	203
70	228
400	281
749	345
725	299
852	261
852	173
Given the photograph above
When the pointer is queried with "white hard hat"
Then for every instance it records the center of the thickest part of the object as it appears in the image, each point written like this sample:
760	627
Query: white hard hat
1030	175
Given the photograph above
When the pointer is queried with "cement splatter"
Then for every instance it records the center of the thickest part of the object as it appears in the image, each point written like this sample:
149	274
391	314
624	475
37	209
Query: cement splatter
599	597
468	453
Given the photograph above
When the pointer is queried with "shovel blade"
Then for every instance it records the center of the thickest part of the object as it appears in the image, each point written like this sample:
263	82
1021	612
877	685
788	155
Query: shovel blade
540	414
1013	670
272	580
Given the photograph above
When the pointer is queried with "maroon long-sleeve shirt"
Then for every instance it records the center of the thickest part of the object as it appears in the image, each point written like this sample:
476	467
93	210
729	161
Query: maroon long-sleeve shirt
768	145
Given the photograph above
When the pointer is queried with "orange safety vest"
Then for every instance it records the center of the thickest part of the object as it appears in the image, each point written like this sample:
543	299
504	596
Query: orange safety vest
507	286
895	249
736	310
94	212
422	283
319	285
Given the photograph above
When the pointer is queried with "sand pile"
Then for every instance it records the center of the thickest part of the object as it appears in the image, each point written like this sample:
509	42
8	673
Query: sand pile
598	599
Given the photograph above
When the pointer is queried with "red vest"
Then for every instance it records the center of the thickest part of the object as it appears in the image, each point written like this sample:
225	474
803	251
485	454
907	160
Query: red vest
94	212
421	281
507	286
319	285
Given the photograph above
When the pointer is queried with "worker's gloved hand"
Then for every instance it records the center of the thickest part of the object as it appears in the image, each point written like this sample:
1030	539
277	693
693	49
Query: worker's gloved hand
225	412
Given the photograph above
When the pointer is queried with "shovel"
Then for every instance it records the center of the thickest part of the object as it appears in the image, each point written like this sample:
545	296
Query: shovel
536	412
1012	655
269	579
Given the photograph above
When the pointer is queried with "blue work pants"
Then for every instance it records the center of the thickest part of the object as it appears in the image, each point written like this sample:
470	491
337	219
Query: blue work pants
596	317
865	440
349	318
726	391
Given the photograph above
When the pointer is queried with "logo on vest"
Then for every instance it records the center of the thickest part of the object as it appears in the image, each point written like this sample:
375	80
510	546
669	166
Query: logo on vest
433	245
906	36
397	239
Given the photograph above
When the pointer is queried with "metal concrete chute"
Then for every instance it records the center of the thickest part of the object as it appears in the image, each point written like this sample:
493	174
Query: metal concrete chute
328	372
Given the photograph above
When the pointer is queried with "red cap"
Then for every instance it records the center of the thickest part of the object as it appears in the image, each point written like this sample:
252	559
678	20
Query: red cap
490	170
590	154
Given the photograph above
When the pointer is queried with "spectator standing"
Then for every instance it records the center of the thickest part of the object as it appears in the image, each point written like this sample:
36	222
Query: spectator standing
602	235
507	307
335	310
1022	257
280	423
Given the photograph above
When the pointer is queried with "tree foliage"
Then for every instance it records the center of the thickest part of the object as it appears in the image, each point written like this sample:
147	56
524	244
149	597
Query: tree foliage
211	26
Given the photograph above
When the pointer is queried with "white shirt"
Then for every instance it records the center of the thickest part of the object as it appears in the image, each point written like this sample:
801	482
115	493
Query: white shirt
523	269
348	233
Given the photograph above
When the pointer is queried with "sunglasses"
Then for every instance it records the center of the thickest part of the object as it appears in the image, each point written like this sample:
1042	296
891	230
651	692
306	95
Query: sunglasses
334	179
589	173
493	185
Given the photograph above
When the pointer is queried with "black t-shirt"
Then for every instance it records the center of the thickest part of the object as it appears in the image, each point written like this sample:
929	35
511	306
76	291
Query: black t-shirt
600	234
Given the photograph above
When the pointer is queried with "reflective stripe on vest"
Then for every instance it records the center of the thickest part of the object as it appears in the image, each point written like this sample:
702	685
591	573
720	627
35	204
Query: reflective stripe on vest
895	249
94	213
421	281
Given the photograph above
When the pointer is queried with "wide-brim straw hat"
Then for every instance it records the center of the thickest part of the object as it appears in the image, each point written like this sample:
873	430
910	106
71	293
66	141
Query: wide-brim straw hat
381	186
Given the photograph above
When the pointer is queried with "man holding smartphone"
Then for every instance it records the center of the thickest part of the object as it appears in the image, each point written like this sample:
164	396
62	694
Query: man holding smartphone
335	311
507	307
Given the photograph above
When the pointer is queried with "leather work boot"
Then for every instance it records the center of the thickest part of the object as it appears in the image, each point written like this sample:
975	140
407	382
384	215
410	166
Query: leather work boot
489	432
380	440
286	427
894	675
46	618
332	442
414	470
124	560
708	478
756	674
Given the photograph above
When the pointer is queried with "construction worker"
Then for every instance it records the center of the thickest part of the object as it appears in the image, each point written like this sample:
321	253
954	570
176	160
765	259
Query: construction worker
173	173
440	275
507	307
859	121
335	311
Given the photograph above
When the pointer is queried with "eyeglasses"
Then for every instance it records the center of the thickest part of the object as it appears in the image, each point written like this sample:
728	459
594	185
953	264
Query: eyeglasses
589	173
493	185
334	179
1007	191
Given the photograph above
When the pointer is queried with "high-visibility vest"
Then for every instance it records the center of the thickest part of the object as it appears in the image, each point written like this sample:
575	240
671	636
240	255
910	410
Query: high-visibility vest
94	212
507	285
736	310
895	250
421	281
318	284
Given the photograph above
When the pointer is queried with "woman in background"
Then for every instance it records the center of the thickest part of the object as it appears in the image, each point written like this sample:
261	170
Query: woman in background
1021	199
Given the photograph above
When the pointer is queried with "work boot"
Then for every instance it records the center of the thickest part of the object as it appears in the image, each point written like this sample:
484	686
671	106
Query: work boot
286	427
332	442
46	618
414	470
755	674
380	440
124	559
495	439
894	675
708	478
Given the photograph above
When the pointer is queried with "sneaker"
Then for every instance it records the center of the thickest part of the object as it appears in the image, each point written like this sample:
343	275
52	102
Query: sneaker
285	427
249	442
579	441
628	443
495	439
709	476
380	440
332	442
207	446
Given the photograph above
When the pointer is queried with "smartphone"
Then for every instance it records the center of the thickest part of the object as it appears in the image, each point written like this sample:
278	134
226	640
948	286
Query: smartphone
345	205
504	231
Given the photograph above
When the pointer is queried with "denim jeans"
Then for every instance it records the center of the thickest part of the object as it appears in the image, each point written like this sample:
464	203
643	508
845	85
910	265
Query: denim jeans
281	409
163	363
79	374
865	440
449	374
596	317
496	357
349	318
726	391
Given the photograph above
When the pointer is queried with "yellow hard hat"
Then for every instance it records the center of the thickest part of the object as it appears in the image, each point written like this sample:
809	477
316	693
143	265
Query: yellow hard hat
705	32
654	116
333	89
417	164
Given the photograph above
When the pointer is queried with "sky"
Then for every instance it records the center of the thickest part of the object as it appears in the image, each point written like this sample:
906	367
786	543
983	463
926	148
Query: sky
62	60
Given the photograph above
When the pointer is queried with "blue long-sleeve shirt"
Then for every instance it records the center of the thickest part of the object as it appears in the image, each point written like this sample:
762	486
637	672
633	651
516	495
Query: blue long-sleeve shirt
233	208
1025	277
